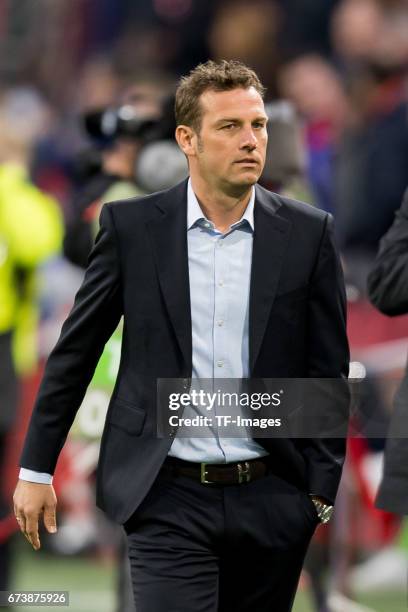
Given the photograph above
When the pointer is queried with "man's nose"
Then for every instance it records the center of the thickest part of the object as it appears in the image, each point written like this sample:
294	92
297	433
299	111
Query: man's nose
249	140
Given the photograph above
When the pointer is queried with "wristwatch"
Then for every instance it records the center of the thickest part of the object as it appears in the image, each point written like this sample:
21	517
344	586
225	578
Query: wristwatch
324	511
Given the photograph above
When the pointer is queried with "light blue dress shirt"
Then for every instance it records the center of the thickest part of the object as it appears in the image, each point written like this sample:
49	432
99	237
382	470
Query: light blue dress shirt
220	274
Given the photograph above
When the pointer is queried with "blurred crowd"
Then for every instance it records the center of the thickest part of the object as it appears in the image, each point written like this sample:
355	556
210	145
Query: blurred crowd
341	63
86	92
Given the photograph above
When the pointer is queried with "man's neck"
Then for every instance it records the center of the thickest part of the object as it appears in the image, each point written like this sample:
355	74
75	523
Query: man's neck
221	208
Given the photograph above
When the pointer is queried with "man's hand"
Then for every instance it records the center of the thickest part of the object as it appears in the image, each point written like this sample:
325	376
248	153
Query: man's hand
30	501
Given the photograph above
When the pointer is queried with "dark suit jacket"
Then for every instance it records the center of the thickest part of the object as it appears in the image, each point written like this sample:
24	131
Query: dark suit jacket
388	290
139	268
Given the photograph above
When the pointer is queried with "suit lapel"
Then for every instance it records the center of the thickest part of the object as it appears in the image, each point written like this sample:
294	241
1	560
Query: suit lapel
270	242
168	232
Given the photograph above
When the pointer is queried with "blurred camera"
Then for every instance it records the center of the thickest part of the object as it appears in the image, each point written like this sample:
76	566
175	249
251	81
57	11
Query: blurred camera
106	125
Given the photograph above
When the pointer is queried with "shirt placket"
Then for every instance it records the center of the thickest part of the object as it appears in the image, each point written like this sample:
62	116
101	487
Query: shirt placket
222	366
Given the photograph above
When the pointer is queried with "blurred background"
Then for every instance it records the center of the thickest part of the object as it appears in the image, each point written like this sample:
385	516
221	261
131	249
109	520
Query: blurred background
86	91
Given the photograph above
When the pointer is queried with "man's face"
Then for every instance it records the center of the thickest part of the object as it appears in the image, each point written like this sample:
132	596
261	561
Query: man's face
229	150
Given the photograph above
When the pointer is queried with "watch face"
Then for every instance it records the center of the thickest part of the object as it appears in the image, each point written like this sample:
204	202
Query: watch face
325	513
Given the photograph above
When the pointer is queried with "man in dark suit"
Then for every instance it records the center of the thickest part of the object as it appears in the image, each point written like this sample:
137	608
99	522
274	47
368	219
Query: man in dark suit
388	291
215	278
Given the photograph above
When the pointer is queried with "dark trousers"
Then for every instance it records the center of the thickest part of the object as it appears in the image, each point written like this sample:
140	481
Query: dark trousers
212	548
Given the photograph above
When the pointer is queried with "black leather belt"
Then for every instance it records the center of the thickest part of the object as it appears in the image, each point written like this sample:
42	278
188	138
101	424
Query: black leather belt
239	472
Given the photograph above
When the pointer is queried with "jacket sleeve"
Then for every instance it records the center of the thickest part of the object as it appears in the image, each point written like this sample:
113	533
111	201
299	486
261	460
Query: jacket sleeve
328	353
70	367
388	279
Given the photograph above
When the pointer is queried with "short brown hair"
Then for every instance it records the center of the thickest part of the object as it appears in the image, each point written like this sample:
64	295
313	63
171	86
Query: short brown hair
216	76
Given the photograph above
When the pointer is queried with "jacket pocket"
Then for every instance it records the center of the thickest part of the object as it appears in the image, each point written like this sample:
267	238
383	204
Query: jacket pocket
127	416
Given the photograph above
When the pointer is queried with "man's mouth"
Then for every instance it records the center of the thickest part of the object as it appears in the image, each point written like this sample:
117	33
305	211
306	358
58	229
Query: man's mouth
247	161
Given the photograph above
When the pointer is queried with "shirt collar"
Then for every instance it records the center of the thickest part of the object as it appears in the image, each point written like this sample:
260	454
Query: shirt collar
194	212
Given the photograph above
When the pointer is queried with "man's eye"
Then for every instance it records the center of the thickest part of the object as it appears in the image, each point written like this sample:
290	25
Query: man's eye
228	126
259	125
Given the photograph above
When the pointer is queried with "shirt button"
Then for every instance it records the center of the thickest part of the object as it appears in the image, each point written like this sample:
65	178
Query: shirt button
220	323
221	283
220	364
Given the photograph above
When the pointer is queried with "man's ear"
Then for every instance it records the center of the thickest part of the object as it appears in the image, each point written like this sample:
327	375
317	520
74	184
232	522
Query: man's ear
186	140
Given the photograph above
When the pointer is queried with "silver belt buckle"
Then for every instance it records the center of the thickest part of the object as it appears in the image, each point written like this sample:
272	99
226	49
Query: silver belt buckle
204	473
244	475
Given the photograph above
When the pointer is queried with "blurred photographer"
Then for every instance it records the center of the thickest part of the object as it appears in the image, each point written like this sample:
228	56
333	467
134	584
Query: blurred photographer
115	143
132	154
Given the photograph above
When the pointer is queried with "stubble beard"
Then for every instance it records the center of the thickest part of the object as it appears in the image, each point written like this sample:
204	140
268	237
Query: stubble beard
233	188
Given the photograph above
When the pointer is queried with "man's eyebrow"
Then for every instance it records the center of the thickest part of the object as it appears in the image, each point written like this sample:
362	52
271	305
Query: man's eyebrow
228	120
263	118
237	120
